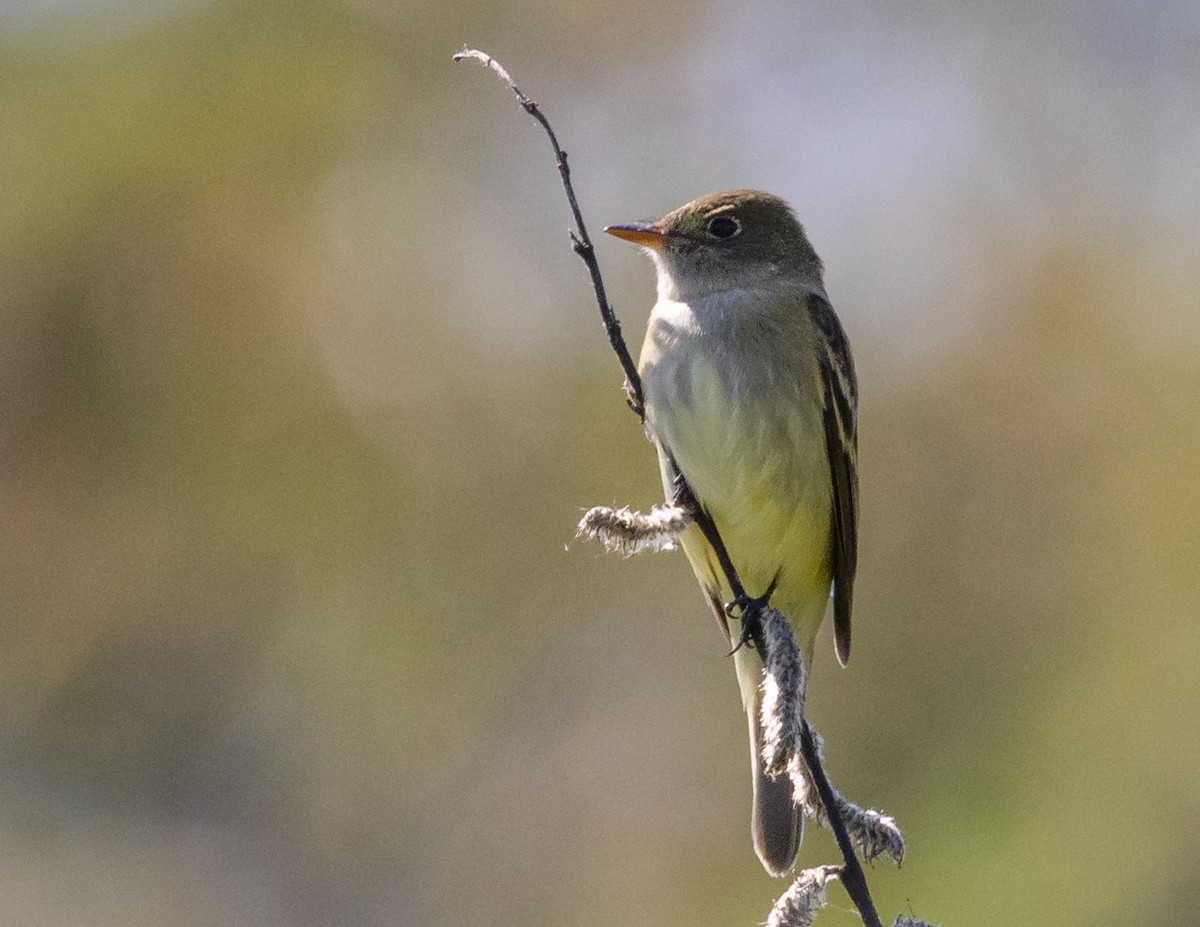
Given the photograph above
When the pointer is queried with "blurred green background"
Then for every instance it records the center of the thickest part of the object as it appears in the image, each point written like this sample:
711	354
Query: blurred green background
303	392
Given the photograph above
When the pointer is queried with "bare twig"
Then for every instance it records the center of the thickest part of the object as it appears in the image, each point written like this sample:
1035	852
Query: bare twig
852	874
581	243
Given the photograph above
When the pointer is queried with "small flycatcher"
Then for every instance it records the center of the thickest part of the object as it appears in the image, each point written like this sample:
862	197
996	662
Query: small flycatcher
750	394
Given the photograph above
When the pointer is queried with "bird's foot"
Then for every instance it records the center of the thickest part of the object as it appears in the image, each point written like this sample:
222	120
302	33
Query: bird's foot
749	610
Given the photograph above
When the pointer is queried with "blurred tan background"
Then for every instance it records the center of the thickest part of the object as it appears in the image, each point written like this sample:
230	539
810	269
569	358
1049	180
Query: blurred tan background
302	391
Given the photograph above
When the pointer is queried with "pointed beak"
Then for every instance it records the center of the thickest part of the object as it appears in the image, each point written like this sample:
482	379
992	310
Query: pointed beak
645	234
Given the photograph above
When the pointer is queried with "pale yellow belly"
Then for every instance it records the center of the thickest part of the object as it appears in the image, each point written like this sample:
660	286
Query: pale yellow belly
758	463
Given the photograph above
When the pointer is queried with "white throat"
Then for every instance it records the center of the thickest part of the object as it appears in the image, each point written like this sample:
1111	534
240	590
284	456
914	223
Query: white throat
766	282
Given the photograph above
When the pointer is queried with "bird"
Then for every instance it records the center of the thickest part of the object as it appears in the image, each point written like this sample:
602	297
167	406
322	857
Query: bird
751	401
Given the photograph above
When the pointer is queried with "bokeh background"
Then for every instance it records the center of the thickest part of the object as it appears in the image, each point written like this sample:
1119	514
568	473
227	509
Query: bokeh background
302	392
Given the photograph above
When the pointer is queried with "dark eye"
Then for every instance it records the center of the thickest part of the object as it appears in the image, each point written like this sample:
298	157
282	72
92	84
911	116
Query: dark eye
723	227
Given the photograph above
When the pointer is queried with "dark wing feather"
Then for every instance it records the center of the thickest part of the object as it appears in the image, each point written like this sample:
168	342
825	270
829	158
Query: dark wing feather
840	409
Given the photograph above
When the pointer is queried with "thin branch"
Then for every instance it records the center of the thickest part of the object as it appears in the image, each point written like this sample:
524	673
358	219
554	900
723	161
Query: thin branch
852	876
581	242
754	611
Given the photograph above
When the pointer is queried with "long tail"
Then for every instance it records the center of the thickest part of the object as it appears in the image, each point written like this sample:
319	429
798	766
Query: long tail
775	823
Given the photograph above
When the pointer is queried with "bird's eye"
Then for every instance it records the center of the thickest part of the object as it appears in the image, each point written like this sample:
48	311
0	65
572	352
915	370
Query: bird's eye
723	227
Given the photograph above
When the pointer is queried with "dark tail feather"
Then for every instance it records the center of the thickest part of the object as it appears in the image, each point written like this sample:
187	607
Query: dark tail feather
775	823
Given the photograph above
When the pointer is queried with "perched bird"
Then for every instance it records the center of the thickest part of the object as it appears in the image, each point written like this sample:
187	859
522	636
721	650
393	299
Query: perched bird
750	394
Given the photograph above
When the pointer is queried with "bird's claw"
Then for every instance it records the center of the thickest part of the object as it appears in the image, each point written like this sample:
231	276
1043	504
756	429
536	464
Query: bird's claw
748	610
